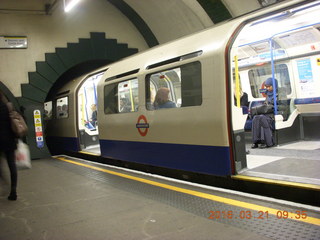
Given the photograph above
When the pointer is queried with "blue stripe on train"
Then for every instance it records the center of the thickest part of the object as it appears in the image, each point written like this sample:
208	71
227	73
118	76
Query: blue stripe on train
58	144
202	159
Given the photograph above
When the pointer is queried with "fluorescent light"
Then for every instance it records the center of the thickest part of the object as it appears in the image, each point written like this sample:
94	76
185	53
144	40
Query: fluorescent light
69	4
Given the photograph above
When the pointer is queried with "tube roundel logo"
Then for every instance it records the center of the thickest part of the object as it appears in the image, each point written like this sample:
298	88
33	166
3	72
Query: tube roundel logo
142	125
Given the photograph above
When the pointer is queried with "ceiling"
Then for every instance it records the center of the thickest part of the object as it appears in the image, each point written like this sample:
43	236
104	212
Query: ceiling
158	21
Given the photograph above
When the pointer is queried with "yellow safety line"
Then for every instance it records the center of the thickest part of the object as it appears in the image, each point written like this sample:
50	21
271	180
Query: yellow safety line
311	220
277	182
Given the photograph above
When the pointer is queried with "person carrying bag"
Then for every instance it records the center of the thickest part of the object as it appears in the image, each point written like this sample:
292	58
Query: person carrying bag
20	129
8	144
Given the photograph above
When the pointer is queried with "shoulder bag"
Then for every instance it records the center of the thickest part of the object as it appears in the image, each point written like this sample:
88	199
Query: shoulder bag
262	109
18	125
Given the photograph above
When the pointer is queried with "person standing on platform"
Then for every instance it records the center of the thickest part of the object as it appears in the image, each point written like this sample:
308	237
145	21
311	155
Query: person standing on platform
8	145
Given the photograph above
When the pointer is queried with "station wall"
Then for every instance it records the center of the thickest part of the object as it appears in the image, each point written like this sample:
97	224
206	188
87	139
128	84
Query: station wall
45	33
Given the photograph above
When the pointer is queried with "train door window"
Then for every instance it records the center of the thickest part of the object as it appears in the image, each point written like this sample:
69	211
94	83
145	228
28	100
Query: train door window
88	103
47	110
121	97
257	76
174	88
62	108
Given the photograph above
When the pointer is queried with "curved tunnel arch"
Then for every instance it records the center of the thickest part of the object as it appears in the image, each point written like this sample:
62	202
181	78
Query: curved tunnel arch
96	48
33	94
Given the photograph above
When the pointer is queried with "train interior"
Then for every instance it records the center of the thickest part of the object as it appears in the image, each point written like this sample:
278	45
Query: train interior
88	128
286	48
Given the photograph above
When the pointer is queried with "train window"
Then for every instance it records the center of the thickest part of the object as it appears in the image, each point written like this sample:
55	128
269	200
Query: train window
175	88
47	110
121	97
258	75
62	107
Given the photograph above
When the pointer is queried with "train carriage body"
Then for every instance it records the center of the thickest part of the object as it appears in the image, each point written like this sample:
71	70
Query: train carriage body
204	129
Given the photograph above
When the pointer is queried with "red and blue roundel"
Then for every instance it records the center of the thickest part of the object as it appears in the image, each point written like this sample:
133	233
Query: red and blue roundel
142	125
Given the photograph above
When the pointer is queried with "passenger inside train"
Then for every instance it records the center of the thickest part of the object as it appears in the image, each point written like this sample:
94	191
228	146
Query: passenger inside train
243	98
94	118
262	124
162	99
124	107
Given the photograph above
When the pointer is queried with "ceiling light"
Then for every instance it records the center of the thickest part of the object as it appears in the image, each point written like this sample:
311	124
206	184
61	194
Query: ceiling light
69	4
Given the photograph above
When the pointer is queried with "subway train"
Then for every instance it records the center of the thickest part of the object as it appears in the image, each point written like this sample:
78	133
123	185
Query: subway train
205	130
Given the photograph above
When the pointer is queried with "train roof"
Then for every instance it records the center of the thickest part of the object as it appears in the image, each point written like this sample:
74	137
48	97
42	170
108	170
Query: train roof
208	40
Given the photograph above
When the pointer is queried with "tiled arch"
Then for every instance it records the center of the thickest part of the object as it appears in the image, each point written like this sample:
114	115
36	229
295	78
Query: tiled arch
97	47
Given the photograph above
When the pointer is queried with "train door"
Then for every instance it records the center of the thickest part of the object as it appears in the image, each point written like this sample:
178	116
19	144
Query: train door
87	117
284	49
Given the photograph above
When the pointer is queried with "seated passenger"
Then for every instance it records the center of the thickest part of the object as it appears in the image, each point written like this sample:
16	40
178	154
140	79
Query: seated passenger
243	98
262	123
136	103
150	100
124	107
162	99
94	118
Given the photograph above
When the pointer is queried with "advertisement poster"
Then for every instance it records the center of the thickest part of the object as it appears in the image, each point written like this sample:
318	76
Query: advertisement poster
306	80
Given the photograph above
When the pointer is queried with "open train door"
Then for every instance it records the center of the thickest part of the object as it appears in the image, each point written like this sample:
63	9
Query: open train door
87	100
281	49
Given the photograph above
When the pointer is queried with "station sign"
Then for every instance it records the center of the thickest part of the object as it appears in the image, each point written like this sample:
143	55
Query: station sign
13	42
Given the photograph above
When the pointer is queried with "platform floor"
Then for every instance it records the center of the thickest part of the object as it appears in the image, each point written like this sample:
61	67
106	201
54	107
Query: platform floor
68	198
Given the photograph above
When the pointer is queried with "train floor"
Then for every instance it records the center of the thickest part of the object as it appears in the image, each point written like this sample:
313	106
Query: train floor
297	162
70	198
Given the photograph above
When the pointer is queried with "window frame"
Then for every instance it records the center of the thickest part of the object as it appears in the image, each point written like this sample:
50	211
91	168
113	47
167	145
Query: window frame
196	63
116	97
59	116
45	115
255	92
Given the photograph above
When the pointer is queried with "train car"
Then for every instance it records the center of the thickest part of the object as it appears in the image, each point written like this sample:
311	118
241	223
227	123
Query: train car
202	128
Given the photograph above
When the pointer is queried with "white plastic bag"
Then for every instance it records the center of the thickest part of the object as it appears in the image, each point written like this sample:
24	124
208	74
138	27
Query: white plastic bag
22	156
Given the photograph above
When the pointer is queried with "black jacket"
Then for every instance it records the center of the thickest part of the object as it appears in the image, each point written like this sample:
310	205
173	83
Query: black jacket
7	137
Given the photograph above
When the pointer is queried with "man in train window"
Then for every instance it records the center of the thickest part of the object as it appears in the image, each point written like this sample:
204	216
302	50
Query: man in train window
124	107
162	99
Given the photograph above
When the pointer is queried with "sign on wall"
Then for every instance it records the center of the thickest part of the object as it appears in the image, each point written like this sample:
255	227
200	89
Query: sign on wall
38	128
13	42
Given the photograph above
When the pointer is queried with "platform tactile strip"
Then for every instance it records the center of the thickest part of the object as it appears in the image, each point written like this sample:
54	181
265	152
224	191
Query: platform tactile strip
271	227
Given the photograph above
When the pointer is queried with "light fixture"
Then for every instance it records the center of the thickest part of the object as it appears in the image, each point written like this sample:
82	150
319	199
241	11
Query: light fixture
69	4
